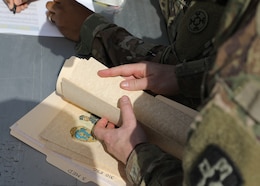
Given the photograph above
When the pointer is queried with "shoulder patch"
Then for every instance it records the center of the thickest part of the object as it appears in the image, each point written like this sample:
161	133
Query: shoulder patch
214	167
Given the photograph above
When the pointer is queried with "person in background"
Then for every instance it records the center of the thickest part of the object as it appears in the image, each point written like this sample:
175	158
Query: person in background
223	147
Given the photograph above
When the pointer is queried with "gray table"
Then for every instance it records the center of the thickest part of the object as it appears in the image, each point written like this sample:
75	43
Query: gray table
29	66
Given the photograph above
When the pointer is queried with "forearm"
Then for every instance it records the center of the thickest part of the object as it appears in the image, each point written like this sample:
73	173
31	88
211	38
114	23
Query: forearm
113	45
148	165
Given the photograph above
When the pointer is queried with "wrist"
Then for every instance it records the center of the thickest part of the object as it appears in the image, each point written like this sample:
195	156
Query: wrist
128	156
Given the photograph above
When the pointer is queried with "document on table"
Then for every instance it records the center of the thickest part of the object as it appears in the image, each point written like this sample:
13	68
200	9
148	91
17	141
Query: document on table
31	21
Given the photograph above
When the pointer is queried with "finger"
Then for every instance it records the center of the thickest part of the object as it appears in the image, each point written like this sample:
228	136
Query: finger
49	5
135	84
10	4
19	8
126	110
19	2
50	16
137	69
100	128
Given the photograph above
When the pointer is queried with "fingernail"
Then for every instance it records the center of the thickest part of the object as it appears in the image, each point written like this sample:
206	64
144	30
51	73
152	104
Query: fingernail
124	98
124	84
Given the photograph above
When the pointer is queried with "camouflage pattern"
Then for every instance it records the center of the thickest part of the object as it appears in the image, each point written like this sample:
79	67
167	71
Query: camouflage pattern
228	126
148	165
224	142
113	45
170	9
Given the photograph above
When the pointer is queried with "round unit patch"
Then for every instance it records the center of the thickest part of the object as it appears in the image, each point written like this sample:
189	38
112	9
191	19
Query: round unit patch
198	21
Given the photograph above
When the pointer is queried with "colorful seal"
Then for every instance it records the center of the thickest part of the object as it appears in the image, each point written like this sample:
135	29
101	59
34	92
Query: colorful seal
82	134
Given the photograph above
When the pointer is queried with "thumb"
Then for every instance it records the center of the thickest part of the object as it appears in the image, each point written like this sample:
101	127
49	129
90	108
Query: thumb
99	129
127	112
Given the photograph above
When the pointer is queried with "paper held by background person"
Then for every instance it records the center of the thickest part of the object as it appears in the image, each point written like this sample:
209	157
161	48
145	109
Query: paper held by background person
31	21
61	125
111	2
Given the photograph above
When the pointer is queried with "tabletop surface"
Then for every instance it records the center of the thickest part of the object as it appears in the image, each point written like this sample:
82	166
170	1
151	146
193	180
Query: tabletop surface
29	66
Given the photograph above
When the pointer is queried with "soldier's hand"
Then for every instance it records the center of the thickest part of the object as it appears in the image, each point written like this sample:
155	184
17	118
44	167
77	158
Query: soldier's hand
158	78
120	141
17	5
68	16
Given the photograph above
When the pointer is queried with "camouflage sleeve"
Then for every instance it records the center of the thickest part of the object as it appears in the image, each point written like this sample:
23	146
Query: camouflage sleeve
113	45
149	165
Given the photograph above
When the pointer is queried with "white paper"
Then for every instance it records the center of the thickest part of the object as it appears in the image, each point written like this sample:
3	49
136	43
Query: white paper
111	2
31	21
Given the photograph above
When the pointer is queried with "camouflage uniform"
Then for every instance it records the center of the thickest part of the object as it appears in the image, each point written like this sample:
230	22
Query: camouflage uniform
223	148
113	45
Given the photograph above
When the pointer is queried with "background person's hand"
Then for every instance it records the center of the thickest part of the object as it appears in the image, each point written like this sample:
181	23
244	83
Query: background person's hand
18	4
68	16
158	78
120	142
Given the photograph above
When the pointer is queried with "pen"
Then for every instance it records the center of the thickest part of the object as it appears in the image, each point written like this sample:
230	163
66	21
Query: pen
14	9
